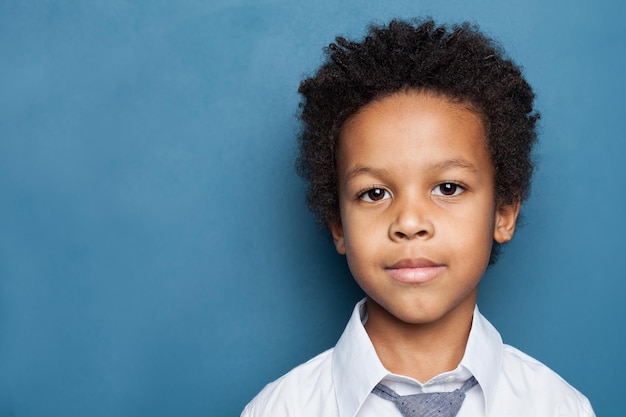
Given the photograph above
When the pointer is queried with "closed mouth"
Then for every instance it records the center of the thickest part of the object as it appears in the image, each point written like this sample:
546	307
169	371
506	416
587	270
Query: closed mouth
414	263
415	270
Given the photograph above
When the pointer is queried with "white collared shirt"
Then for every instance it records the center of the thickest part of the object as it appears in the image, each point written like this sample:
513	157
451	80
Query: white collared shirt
338	382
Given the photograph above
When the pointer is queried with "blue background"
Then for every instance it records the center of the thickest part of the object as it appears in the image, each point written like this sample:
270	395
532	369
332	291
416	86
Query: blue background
156	256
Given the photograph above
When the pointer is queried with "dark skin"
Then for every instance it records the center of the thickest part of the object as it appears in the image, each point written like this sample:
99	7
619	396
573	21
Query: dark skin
418	218
420	351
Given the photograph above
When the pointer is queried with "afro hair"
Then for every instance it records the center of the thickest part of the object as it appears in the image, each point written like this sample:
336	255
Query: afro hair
458	62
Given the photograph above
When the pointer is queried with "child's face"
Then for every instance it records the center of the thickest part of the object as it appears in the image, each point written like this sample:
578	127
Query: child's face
416	195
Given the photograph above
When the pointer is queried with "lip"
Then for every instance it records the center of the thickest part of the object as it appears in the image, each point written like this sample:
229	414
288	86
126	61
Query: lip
415	270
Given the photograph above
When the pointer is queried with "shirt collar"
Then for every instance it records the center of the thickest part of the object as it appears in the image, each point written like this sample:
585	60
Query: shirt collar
483	356
357	369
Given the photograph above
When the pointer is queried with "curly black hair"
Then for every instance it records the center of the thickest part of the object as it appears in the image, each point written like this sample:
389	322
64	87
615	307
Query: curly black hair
458	62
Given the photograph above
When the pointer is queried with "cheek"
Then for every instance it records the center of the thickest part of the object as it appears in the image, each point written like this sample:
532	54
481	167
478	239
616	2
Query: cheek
359	248
474	230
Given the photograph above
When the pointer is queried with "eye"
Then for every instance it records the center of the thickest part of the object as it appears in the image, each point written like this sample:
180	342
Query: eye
374	194
448	189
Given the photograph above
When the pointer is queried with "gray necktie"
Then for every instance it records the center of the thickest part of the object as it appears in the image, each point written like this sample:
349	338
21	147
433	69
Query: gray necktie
430	404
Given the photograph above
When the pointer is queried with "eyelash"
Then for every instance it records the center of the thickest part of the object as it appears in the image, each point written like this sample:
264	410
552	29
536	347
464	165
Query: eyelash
364	193
457	187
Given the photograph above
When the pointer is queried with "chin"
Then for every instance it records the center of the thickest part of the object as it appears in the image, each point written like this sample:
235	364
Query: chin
418	315
421	319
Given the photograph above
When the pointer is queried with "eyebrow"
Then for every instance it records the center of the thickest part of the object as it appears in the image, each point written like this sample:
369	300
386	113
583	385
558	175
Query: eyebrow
361	169
439	166
454	163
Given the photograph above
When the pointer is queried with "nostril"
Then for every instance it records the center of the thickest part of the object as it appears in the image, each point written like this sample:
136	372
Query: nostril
400	235
410	227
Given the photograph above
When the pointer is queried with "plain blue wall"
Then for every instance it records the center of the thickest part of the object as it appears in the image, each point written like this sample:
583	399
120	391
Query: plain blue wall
156	257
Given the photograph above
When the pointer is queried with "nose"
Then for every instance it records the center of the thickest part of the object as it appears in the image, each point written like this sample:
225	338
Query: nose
411	220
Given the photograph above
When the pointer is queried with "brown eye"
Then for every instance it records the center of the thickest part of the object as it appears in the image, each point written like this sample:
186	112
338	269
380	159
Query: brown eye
448	189
374	194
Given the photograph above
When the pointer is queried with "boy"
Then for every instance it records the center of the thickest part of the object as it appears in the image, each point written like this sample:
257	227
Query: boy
417	149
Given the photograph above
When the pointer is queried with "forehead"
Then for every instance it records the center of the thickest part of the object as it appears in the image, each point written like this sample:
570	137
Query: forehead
412	100
413	128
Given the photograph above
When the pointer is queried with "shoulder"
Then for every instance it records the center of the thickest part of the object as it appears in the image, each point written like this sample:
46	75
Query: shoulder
309	384
539	387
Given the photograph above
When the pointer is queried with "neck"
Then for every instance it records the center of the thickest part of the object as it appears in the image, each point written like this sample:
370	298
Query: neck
420	351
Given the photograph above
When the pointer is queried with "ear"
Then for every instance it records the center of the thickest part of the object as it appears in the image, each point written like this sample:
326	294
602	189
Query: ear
506	216
336	229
